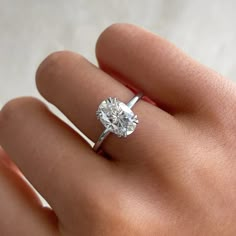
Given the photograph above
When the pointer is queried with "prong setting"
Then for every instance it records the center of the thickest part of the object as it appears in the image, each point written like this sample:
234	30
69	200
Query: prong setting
117	117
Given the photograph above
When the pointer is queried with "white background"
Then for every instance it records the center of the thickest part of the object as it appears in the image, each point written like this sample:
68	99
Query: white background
31	29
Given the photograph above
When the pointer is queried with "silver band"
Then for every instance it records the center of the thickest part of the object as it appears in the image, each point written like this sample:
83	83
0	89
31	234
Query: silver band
106	132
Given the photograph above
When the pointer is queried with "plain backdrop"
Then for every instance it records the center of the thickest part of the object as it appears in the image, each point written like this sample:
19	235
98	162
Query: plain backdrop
31	29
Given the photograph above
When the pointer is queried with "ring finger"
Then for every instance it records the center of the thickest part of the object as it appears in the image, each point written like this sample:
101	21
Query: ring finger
77	87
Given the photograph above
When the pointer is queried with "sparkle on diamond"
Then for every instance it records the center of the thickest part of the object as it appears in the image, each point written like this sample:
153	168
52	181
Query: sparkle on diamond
117	117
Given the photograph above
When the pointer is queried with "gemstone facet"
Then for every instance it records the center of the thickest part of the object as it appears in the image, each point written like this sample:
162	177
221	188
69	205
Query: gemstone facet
117	117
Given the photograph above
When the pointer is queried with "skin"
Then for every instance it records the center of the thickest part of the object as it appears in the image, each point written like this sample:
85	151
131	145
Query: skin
175	175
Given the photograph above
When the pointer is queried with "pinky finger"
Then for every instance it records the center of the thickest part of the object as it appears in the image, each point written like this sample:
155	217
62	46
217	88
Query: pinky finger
21	212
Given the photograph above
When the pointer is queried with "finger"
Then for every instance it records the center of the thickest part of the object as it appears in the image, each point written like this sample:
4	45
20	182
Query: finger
7	161
58	163
150	63
77	87
21	210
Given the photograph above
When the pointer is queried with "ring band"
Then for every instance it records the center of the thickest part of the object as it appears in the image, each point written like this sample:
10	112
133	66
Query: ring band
117	117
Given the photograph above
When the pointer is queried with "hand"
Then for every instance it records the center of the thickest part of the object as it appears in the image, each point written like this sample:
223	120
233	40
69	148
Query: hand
175	175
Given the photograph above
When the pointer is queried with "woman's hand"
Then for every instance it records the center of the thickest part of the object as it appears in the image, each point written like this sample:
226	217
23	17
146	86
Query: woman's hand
175	175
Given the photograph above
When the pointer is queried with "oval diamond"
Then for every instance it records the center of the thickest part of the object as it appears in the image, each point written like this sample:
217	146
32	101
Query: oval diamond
117	117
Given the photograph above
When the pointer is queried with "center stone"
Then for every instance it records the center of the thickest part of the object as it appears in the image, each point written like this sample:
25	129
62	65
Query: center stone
117	117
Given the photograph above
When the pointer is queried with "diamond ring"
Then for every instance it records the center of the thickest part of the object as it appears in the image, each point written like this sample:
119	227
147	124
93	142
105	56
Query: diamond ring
117	117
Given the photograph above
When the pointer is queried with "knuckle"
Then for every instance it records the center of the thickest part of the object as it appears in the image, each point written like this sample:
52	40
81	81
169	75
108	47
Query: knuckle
114	28
108	34
51	64
53	67
16	109
51	59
